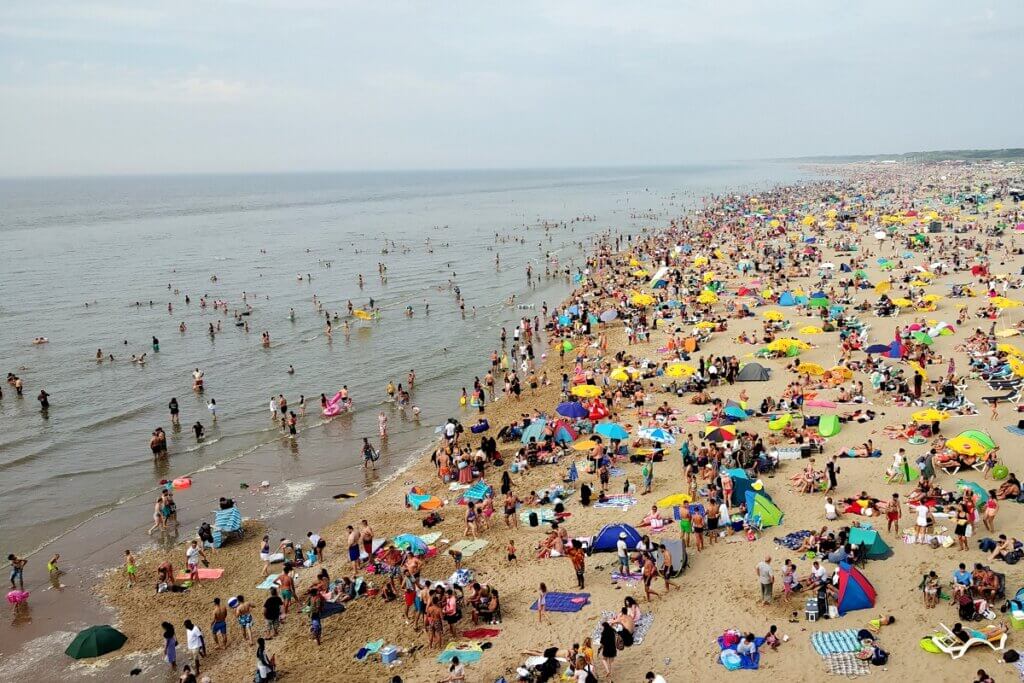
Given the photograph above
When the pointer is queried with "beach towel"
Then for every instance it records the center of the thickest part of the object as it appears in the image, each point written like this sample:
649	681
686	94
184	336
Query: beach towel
563	602
477	492
329	609
431	538
616	502
469	548
544	515
630	578
205	574
733	660
481	633
793	540
640	628
369	649
467	651
835	642
268	582
461	577
1015	430
846	664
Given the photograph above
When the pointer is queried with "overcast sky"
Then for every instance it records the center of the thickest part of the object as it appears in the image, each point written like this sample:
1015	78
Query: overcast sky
262	85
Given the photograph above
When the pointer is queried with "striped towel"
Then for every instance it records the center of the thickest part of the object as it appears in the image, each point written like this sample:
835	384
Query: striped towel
616	502
835	642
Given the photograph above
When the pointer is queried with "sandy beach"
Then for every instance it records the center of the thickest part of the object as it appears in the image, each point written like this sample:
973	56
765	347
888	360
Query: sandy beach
809	230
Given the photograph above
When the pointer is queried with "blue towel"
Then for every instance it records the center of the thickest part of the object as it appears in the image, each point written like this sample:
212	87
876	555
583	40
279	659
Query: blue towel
563	602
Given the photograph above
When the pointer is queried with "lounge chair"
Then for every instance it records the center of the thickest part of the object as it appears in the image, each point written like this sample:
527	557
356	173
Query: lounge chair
952	646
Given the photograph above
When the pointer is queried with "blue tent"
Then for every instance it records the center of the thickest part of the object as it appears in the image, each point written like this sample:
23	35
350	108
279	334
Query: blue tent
787	299
534	431
413	543
855	591
740	485
605	539
895	350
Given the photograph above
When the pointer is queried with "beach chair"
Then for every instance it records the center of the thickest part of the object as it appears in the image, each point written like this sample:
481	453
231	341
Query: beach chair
948	642
226	522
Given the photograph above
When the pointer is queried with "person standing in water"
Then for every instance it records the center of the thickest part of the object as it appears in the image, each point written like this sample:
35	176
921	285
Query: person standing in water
173	407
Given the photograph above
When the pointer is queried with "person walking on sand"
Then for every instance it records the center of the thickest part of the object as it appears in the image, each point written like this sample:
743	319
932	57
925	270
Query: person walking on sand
243	613
219	625
766	579
131	568
542	603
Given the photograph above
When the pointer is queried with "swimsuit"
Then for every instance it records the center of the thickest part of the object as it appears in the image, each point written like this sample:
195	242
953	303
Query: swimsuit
245	620
220	627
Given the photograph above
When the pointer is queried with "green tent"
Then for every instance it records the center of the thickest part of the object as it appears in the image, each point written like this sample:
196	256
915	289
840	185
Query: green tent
95	641
829	425
818	303
871	543
760	506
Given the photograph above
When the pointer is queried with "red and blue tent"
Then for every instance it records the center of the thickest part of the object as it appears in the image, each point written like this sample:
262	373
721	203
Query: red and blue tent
855	591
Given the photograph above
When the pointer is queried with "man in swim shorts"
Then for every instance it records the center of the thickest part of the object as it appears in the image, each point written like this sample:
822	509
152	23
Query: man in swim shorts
353	547
243	612
219	627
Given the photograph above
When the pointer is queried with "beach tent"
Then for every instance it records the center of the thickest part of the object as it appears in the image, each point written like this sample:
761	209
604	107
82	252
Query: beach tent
412	543
759	505
787	299
535	430
855	591
564	432
753	372
680	558
829	425
605	539
895	350
871	543
660	278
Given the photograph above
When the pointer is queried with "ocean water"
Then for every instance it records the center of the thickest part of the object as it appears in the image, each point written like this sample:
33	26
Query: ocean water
112	242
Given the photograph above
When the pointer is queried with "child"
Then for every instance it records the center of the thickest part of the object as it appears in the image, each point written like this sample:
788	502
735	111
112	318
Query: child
510	552
875	625
772	639
541	602
456	558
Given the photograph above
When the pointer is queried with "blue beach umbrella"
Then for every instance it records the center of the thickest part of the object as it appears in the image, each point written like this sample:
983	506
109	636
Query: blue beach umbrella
609	315
877	348
412	543
572	409
657	435
534	431
612	430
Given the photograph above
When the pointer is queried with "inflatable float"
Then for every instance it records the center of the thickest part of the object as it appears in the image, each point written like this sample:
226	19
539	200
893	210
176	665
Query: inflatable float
336	405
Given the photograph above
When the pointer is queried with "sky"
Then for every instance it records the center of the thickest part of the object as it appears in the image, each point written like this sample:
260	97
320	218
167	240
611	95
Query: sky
185	86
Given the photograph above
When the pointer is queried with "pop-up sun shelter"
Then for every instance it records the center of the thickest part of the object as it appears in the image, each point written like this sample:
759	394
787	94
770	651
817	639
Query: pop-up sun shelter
753	372
855	591
740	485
761	507
872	546
605	539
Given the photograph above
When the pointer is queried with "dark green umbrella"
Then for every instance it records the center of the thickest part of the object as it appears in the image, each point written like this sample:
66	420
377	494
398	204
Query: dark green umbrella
95	641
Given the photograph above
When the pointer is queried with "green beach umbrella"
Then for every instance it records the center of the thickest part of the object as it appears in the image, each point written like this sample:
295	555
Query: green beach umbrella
95	641
818	303
567	346
923	338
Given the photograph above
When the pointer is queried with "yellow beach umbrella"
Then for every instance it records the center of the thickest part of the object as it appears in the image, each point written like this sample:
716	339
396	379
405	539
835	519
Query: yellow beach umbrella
680	370
1003	302
930	415
773	316
642	299
932	298
1017	365
706	325
708	276
811	329
841	371
918	283
707	297
810	369
916	367
902	302
883	287
623	374
1009	348
640	273
700	261
584	445
586	390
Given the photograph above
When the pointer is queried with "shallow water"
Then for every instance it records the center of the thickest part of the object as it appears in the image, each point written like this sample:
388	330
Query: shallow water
111	242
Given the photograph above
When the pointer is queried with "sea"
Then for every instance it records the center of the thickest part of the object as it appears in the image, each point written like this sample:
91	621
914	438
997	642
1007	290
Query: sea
103	265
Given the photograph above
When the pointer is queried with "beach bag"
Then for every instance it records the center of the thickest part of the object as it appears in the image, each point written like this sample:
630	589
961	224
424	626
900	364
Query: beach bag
1013	557
533	520
591	678
966	609
986	545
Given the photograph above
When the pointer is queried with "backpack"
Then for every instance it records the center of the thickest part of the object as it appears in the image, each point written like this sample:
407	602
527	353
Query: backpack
879	657
966	609
591	678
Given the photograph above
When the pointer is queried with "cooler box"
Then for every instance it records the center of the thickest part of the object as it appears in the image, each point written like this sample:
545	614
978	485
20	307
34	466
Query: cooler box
389	654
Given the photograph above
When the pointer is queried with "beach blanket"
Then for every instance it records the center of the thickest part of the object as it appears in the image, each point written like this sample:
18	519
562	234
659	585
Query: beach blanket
205	574
846	664
544	515
468	651
469	548
329	609
616	502
734	661
430	538
640	628
911	539
481	633
563	602
268	582
835	642
629	578
477	492
793	540
1013	429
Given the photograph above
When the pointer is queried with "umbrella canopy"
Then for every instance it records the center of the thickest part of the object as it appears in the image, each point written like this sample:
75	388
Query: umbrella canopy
877	348
657	435
572	409
923	338
902	302
773	316
974	488
705	325
584	445
609	315
720	434
533	431
680	370
622	374
412	543
95	641
612	430
811	329
707	297
810	369
642	300
971	442
1009	348
586	390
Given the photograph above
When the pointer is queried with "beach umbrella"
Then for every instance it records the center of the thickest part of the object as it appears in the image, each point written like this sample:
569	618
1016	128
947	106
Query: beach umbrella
918	369
1003	302
621	374
412	543
930	415
974	488
971	442
612	430
810	369
902	302
564	320
1017	365
841	371
584	445
598	410
720	434
95	641
657	435
931	298
362	315
567	345
680	370
1008	348
811	329
572	409
642	300
609	315
707	297
877	348
773	316
923	338
706	325
586	391
883	287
